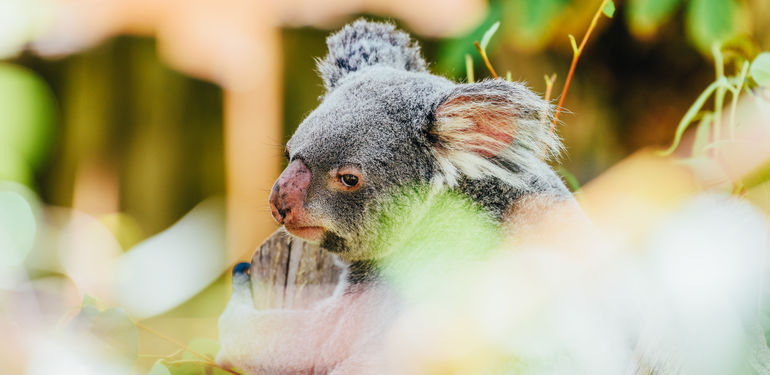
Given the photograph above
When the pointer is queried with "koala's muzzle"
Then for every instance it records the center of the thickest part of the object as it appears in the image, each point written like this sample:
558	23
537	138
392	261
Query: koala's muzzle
287	200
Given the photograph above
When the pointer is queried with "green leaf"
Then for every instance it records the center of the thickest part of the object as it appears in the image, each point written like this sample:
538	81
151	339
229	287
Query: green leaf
573	43
572	181
488	36
26	114
760	69
712	21
609	9
692	112
13	167
159	369
646	16
530	24
448	229
451	53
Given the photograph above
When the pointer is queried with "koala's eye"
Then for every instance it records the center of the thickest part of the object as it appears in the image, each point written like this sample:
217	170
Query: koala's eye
349	180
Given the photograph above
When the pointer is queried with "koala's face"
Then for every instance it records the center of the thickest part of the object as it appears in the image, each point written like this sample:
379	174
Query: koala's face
369	136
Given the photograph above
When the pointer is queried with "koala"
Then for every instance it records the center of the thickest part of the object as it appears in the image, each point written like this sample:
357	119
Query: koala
385	123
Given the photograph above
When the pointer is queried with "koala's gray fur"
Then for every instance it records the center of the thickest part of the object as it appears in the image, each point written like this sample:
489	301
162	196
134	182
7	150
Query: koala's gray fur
385	114
380	113
365	44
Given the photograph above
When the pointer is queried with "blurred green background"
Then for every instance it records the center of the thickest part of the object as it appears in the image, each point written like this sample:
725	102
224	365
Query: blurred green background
117	108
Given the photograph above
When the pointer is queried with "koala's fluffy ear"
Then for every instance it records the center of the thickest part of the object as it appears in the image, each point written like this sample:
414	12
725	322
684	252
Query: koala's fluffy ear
479	125
363	44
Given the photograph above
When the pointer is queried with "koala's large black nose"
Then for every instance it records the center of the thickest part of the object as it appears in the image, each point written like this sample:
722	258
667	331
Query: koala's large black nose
288	194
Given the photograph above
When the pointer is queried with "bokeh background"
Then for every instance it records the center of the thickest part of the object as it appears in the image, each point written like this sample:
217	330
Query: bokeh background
118	118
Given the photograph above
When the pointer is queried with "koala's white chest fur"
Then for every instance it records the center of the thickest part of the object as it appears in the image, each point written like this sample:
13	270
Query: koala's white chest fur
339	335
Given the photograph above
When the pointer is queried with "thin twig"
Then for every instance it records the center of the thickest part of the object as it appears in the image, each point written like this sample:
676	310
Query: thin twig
719	96
549	81
575	57
486	59
205	358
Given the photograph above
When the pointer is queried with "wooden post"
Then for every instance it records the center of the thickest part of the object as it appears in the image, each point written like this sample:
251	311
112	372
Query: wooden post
287	272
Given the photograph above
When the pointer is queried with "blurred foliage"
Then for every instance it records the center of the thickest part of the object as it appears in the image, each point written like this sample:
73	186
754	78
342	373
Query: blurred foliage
111	327
26	122
713	21
156	131
426	233
760	69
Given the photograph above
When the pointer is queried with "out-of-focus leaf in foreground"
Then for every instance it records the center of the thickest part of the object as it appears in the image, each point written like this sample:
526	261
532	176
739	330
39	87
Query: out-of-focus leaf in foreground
529	23
112	327
712	21
452	52
428	234
760	69
646	16
26	122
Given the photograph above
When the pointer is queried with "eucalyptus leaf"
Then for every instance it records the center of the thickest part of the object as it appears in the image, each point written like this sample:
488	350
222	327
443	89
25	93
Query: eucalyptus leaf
443	225
609	9
711	21
760	69
530	24
573	43
13	167
570	178
26	114
488	36
452	53
646	16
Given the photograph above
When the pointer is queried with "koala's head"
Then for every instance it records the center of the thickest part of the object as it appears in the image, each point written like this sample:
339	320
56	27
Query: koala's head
384	123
